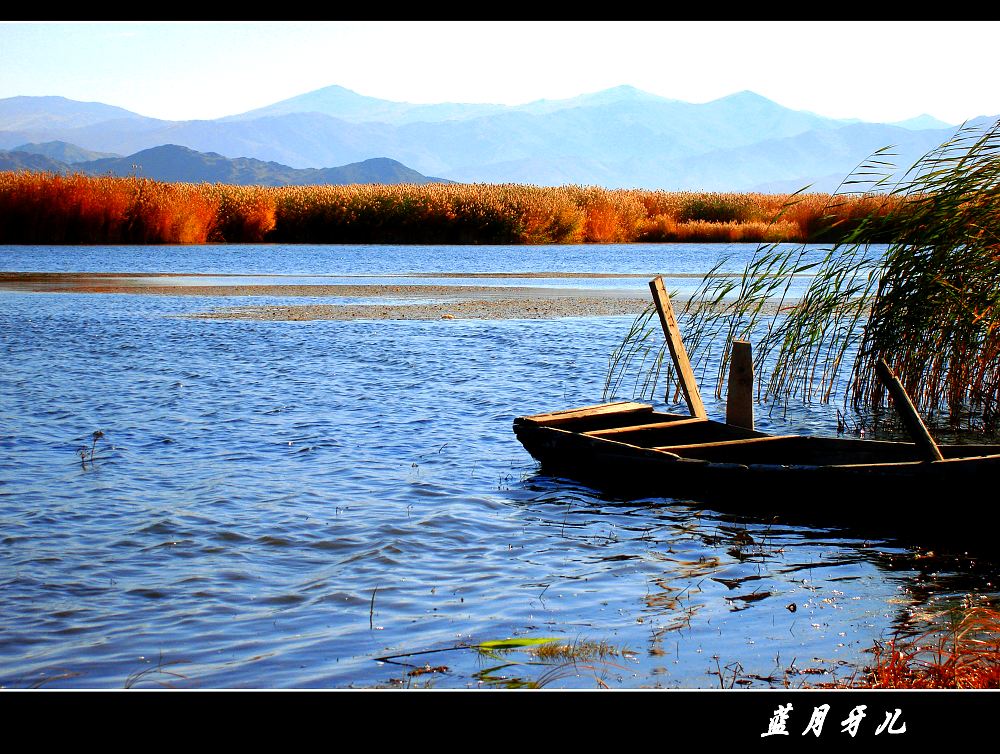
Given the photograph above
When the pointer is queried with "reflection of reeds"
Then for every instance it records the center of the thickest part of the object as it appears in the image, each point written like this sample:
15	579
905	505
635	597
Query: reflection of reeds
44	208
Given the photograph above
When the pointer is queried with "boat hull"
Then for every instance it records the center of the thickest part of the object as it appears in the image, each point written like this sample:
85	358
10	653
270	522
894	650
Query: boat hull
860	481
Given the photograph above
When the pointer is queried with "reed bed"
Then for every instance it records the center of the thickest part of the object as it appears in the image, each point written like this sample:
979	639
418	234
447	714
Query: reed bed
928	303
46	208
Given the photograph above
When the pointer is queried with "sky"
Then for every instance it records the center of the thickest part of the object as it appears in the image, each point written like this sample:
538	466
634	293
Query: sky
184	70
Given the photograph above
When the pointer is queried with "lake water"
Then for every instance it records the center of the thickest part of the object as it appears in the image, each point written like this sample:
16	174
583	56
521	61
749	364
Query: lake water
336	504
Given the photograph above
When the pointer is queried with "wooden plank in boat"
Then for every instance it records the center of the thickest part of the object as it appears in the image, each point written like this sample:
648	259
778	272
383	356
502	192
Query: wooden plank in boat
680	432
728	443
583	412
610	432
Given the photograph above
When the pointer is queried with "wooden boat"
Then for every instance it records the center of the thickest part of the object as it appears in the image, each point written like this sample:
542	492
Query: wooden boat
631	449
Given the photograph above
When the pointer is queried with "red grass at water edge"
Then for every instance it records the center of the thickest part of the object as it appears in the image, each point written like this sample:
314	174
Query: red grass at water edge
962	655
965	655
46	208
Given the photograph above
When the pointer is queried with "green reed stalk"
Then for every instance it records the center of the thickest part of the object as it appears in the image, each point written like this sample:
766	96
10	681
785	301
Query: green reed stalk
929	305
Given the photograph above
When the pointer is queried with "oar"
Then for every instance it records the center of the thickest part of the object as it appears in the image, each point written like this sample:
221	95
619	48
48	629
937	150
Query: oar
672	331
908	413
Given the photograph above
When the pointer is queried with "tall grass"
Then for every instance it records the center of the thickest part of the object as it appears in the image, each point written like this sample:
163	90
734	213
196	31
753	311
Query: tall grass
928	304
935	317
962	655
44	208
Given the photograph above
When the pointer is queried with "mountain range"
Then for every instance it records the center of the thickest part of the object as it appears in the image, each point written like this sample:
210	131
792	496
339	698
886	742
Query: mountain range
174	163
617	138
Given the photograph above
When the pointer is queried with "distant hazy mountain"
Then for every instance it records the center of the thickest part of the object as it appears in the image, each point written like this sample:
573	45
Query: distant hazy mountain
613	96
20	113
174	163
620	137
344	104
922	122
36	163
63	152
604	133
180	164
820	158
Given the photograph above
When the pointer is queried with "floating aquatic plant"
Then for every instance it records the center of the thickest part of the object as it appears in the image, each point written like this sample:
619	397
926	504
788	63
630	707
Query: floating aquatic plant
87	455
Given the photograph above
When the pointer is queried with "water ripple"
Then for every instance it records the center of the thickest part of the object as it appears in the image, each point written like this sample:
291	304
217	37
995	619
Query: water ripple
280	504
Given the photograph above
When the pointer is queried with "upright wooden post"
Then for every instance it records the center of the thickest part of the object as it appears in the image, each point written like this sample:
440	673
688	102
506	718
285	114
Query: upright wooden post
689	386
739	394
908	413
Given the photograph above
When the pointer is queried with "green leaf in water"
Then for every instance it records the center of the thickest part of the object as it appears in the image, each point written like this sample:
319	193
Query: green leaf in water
513	643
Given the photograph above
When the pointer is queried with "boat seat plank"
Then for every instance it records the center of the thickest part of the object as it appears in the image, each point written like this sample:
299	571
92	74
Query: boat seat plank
727	443
790	450
612	431
585	412
679	431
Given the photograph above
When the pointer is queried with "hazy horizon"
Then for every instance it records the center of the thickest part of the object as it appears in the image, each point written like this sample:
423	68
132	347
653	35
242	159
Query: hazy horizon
207	70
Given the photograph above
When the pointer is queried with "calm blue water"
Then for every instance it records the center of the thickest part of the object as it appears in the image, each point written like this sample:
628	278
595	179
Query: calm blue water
291	504
374	260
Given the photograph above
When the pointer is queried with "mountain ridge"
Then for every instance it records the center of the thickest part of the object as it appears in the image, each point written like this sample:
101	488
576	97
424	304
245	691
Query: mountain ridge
621	137
178	164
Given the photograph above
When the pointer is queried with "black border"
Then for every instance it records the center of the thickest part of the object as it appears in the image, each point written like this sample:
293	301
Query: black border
515	718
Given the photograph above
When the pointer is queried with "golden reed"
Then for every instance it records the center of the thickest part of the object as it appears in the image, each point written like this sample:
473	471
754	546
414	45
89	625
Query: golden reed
77	209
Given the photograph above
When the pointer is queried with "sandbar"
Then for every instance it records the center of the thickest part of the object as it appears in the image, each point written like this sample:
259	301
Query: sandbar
401	302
